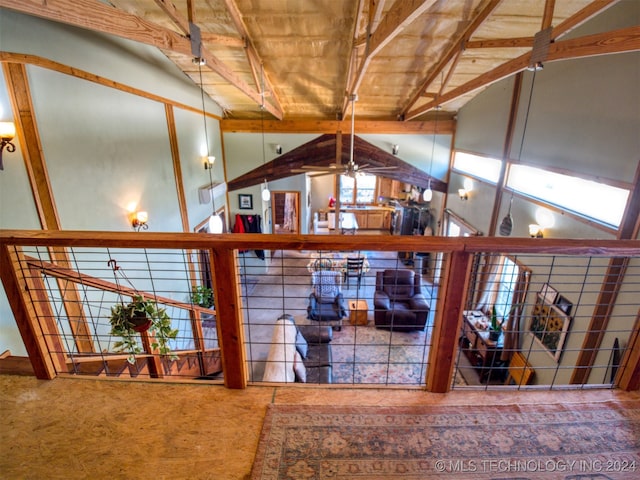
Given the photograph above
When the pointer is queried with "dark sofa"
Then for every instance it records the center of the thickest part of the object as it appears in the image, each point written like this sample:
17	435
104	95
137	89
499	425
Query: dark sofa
317	357
299	353
399	304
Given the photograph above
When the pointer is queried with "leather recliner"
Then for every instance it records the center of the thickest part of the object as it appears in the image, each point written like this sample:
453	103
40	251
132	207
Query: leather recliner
326	303
399	304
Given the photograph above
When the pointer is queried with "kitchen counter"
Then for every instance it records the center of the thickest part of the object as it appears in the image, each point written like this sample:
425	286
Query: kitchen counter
368	217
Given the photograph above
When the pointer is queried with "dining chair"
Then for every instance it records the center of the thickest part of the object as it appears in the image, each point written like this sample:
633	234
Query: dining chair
354	269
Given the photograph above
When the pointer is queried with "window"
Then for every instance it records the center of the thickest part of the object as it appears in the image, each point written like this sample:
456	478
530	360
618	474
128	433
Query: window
506	288
360	189
598	201
482	167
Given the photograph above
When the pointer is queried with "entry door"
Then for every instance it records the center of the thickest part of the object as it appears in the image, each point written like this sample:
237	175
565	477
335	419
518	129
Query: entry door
285	212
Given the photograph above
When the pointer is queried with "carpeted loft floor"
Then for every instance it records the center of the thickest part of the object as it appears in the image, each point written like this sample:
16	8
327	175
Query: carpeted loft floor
79	428
470	442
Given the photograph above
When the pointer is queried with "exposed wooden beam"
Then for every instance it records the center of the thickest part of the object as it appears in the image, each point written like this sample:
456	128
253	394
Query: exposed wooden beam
547	15
224	40
618	41
255	62
177	169
323	151
95	15
587	13
457	45
520	42
396	19
90	77
174	14
445	126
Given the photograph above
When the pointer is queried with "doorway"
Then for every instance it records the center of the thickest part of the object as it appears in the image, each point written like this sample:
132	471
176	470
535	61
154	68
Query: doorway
285	212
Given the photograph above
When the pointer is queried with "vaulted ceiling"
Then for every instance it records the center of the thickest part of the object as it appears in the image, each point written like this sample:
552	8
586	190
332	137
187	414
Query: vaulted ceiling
301	59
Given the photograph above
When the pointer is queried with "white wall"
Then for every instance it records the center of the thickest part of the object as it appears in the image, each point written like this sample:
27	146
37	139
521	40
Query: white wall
584	119
103	147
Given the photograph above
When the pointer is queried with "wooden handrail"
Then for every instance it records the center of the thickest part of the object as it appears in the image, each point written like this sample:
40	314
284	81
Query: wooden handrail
84	279
253	241
222	249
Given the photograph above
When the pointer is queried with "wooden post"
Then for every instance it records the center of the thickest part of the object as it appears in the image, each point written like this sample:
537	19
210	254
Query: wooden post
229	317
628	377
15	287
448	321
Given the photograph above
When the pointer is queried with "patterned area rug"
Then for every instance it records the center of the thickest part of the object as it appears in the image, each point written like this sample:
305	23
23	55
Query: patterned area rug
577	441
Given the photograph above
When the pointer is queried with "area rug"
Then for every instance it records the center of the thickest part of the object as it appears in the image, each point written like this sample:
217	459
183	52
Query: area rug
572	441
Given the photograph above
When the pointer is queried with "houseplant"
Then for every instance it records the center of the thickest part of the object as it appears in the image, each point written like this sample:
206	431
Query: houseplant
495	329
139	316
202	296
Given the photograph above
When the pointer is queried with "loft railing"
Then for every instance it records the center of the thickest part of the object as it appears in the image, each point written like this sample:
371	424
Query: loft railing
60	287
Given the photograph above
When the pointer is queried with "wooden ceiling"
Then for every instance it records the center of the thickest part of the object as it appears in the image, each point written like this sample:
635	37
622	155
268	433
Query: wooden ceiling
302	58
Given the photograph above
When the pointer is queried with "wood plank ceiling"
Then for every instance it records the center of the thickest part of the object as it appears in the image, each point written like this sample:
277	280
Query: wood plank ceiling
301	59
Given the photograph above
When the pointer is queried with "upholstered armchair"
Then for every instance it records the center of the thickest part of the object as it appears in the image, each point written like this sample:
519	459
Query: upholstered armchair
326	303
399	304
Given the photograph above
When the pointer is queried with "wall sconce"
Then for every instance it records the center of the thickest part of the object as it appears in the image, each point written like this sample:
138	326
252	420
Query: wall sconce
535	231
139	220
395	149
208	162
464	192
7	133
279	149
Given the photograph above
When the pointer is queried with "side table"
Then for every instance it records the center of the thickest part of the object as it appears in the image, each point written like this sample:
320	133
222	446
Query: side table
358	312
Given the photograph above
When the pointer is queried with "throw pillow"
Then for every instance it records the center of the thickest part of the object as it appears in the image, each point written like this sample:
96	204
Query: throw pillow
301	345
299	369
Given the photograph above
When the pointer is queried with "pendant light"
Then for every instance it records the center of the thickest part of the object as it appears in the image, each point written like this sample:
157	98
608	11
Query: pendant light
427	195
507	222
215	222
266	194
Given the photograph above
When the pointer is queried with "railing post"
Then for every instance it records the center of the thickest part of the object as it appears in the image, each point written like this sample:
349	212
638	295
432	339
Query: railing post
448	321
229	317
628	377
15	286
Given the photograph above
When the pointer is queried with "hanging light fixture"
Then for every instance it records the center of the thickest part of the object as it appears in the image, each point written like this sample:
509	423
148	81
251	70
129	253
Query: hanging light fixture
507	222
215	222
266	194
427	195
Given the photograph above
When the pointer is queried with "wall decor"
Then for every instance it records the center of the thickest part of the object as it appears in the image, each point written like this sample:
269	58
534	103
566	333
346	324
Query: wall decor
549	326
549	293
245	201
564	304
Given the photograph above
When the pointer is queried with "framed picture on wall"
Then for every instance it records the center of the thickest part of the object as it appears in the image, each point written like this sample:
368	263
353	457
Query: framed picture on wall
549	293
549	326
245	201
564	304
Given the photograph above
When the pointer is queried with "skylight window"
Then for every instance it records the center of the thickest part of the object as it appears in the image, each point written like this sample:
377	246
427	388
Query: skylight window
599	201
485	168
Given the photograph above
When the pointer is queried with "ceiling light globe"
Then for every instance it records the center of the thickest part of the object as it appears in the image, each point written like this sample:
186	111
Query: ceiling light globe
427	195
266	195
215	224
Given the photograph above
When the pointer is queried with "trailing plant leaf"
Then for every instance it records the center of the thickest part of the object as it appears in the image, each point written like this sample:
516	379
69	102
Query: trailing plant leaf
125	317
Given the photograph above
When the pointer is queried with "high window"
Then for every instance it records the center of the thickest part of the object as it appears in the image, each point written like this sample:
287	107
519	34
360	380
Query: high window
485	168
599	201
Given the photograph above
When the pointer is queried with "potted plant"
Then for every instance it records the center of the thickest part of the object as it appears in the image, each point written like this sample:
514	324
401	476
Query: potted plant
139	316
202	296
495	329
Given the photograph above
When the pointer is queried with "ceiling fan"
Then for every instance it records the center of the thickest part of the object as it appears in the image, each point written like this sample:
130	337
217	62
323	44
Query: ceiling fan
351	168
